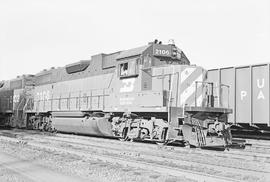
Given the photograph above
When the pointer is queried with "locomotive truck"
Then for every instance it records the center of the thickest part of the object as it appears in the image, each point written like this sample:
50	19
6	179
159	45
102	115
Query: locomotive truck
145	93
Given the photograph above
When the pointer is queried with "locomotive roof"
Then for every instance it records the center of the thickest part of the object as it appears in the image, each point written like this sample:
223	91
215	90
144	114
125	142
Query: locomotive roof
132	52
100	64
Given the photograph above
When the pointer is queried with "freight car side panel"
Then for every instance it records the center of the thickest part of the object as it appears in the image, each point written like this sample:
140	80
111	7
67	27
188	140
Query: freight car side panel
260	94
227	98
249	92
243	95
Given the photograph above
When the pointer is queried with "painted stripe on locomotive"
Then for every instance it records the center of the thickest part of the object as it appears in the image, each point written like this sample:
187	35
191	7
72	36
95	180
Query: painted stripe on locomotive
191	77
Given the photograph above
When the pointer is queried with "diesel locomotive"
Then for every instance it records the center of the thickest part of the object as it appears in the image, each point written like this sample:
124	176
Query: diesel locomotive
148	93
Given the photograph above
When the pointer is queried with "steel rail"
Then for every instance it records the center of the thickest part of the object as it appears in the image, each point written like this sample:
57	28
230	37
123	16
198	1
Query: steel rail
160	168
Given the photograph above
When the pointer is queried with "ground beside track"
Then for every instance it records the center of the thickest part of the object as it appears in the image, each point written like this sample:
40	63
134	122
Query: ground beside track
7	175
72	165
25	170
110	160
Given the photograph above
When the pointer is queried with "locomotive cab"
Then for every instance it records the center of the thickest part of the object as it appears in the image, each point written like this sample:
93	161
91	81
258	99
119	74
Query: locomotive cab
172	98
153	55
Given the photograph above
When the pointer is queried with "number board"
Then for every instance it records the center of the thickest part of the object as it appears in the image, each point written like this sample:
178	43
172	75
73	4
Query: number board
162	50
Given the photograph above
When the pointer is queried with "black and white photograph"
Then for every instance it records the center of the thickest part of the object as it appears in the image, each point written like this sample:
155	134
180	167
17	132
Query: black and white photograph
135	91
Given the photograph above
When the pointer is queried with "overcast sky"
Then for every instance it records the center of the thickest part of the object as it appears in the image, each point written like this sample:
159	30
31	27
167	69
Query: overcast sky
36	34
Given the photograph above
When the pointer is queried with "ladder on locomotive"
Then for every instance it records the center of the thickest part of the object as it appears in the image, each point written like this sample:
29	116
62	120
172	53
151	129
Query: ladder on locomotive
201	138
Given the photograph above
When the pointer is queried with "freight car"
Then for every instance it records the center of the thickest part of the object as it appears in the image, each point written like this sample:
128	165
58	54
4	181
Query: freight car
147	93
249	90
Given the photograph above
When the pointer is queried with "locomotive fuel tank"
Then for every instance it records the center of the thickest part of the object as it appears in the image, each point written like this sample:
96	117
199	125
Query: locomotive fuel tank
95	124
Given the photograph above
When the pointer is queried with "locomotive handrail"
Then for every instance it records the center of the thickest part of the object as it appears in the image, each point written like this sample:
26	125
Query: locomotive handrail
218	96
89	104
170	92
25	105
100	104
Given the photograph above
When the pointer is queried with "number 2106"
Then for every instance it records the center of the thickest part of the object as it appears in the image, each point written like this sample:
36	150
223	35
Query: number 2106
162	52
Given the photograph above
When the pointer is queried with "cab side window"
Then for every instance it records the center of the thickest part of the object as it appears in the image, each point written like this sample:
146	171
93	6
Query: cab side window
128	69
124	69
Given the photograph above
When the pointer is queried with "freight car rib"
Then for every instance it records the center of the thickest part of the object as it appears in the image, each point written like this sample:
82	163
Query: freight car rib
148	93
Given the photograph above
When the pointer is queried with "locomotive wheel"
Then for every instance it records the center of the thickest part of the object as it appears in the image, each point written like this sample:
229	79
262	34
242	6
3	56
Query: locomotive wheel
143	133
124	134
164	135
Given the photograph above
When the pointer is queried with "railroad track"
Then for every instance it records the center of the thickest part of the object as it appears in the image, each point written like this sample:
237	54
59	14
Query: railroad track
252	152
257	146
234	153
161	168
248	154
164	150
136	155
136	151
